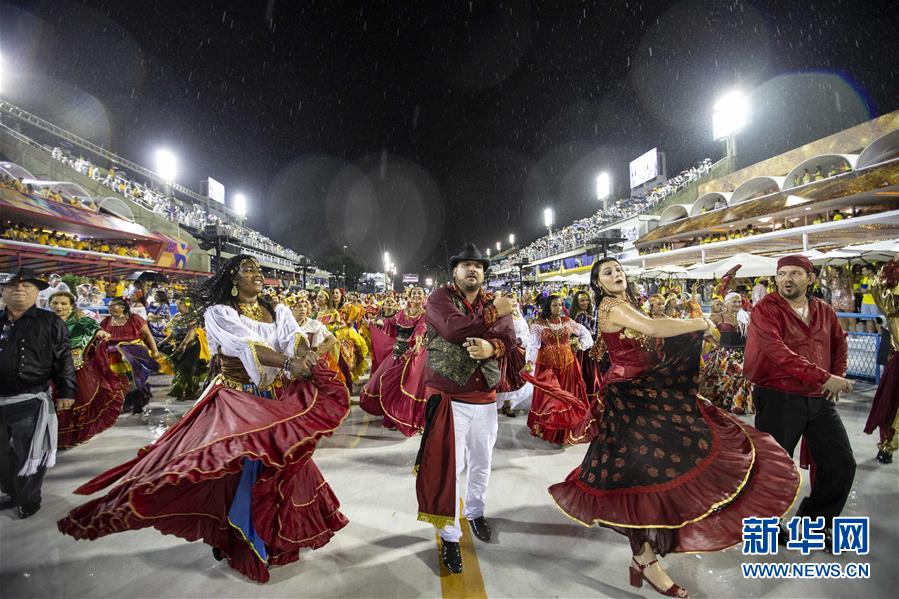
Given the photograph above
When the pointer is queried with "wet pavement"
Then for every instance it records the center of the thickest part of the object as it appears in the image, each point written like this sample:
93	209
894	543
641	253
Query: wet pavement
385	552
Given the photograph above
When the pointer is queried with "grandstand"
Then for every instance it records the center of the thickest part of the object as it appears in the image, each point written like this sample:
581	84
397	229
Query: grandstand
833	192
116	195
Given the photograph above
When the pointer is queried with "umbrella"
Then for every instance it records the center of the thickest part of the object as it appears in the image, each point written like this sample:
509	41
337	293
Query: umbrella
751	266
836	257
890	246
665	272
879	251
147	275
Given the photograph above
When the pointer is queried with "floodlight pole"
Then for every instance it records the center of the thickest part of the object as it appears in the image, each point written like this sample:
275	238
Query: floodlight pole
731	142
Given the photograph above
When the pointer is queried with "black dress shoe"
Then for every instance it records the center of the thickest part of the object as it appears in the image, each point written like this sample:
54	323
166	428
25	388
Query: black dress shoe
783	535
7	503
480	528
27	512
884	457
828	539
451	555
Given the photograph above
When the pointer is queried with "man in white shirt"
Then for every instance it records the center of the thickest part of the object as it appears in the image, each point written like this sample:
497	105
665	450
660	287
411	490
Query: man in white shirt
56	284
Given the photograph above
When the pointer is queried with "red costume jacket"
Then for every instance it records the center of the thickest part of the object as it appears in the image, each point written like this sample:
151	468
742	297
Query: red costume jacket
784	353
478	319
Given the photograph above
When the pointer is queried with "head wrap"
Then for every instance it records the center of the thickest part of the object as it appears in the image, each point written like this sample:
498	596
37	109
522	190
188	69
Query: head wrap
732	294
796	260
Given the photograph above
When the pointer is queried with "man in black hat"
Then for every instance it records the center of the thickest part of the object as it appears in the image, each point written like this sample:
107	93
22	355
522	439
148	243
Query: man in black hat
469	334
34	350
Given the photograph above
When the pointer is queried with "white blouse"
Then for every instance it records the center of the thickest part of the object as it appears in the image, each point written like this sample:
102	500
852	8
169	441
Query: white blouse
585	339
315	331
237	336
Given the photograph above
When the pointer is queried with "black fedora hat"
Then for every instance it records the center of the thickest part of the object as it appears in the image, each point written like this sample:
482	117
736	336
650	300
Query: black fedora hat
23	274
470	252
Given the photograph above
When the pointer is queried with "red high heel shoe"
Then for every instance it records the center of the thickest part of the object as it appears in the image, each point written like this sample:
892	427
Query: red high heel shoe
637	578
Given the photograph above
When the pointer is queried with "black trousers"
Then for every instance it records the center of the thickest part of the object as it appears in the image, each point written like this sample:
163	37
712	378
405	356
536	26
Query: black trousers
17	422
789	417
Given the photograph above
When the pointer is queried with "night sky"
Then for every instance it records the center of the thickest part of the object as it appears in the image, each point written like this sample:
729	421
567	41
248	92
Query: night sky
398	125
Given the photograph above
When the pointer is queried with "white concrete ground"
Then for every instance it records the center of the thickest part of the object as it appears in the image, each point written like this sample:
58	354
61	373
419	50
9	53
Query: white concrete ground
385	552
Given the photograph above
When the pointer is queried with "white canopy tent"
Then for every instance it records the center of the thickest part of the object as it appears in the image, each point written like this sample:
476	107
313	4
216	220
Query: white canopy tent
666	272
886	250
750	266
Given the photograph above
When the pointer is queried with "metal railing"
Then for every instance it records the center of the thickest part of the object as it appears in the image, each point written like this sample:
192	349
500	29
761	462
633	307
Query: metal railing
26	117
863	349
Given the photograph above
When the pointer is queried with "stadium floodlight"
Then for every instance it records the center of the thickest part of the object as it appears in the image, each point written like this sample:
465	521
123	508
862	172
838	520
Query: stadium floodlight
166	165
429	282
499	246
240	204
603	186
511	239
488	252
548	218
730	114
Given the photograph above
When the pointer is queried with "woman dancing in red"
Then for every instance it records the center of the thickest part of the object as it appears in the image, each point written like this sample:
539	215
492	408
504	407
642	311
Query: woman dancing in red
668	470
236	471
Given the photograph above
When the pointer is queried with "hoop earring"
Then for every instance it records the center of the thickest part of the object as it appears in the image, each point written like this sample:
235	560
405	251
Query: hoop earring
233	290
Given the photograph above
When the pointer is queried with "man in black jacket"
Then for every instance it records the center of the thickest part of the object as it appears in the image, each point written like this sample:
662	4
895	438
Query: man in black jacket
34	350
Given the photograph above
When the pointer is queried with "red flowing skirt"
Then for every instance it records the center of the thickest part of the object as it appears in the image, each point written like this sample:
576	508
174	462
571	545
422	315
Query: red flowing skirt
886	401
397	392
666	459
98	399
560	411
184	483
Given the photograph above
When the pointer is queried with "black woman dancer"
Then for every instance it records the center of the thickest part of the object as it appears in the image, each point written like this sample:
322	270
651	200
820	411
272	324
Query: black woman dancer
668	470
236	471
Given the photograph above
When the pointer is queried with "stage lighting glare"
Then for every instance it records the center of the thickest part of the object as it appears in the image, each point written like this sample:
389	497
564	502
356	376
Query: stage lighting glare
730	114
166	165
603	186
240	204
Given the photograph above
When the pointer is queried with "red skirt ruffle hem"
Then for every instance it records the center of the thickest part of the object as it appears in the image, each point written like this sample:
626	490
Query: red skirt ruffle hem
668	459
183	484
561	411
98	399
397	392
886	401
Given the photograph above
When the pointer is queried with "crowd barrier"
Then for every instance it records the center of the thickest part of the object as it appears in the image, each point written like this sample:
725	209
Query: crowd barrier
863	350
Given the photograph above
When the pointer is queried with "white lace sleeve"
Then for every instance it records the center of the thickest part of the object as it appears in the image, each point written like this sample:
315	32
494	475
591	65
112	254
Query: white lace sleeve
289	332
225	332
534	343
585	339
521	330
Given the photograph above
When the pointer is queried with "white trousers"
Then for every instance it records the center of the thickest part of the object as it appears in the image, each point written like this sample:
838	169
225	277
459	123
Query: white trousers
474	428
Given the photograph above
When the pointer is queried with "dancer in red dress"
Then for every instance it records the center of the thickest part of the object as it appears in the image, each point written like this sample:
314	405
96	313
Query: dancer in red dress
236	471
884	413
668	470
100	392
396	390
132	353
560	410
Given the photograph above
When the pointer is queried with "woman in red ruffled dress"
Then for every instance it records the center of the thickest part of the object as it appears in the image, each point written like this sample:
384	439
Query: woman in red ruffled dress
236	471
132	353
560	409
668	469
396	390
100	393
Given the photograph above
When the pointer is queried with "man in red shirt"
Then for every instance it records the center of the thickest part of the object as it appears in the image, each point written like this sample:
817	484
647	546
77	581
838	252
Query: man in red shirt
470	341
796	357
